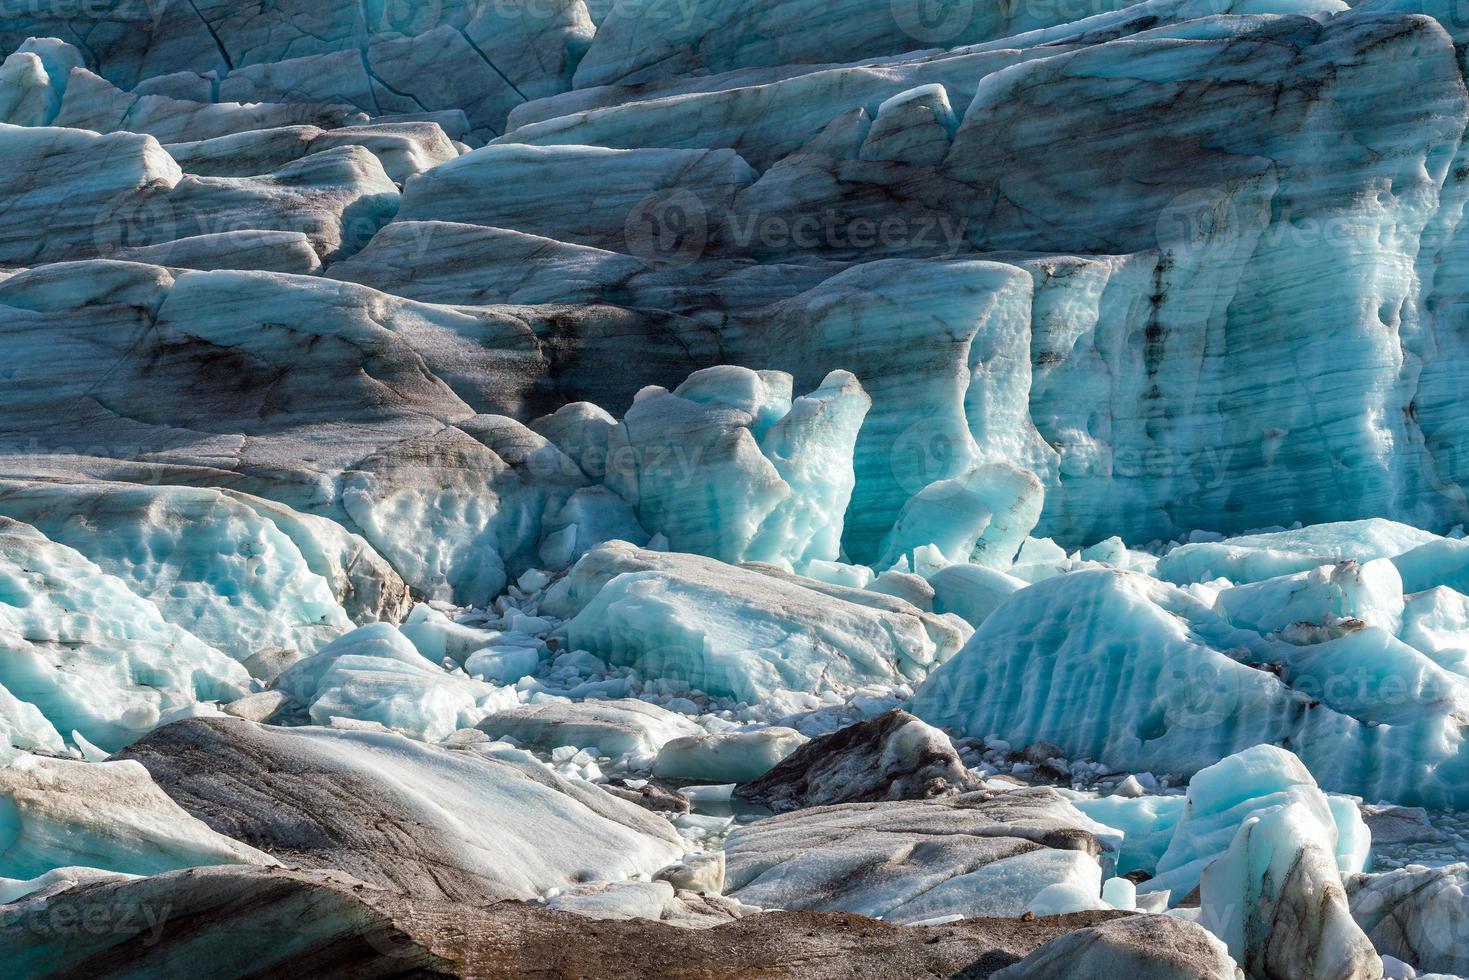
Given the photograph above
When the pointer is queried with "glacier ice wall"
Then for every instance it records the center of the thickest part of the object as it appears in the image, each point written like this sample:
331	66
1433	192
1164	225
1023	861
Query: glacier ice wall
1124	219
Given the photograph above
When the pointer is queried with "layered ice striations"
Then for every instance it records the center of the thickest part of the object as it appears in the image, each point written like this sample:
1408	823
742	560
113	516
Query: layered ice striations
502	415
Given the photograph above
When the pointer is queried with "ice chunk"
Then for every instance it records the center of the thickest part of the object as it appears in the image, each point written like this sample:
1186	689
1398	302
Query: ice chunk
1109	624
27	96
1120	893
1370	593
727	465
1436	624
425	821
735	632
1064	898
88	653
1223	797
912	589
912	861
624	900
734	757
211	563
892	757
915	126
71	183
614	728
839	573
56	813
702	873
374	674
971	592
437	637
982	515
1440	561
1419	915
506	661
811	447
1255	557
1276	899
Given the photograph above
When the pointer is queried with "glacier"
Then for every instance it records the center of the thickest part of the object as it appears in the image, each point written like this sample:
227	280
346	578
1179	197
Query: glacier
996	469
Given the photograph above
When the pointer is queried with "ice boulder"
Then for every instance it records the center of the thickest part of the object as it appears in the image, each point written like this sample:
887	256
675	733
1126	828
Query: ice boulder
1418	915
982	515
971	592
28	96
613	728
424	821
1436	624
1437	562
735	632
1247	558
1226	795
1277	900
731	466
972	855
440	639
916	126
375	675
56	813
891	757
1331	598
506	659
729	757
219	565
657	901
89	654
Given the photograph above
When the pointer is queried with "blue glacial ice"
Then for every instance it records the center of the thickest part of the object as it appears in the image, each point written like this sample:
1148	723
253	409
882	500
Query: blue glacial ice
56	813
625	399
